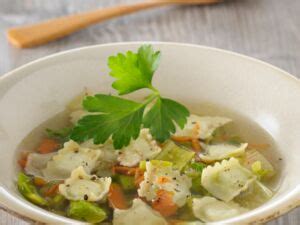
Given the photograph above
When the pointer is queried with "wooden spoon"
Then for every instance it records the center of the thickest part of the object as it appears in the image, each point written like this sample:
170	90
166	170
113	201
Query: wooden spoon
41	33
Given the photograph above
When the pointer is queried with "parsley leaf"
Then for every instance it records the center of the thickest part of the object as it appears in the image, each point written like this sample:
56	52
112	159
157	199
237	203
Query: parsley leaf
122	119
117	117
161	117
134	71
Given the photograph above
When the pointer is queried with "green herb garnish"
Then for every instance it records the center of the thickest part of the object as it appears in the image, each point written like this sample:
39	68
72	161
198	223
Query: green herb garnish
121	118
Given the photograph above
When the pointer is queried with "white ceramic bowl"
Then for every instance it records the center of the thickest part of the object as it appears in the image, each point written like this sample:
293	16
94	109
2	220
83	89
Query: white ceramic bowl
191	74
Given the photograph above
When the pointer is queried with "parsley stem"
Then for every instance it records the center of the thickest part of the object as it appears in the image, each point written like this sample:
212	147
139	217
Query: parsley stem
154	89
150	98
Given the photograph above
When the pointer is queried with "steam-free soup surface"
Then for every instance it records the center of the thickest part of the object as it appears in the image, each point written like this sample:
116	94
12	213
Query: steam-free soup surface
220	165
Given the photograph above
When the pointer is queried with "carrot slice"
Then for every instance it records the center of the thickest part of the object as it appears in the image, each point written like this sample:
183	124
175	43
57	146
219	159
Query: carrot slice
164	203
181	138
138	177
52	190
130	171
39	181
23	160
116	197
48	145
258	146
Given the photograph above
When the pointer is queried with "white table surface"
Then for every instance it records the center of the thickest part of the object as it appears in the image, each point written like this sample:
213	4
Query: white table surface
265	29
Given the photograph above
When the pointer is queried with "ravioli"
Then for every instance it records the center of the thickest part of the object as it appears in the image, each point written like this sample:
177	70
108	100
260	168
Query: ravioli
69	158
222	151
209	209
81	186
139	213
143	148
37	162
206	126
227	179
161	176
107	159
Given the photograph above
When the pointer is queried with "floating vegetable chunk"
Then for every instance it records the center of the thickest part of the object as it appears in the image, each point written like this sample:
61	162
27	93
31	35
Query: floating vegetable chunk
258	163
81	186
209	209
227	179
254	196
37	162
139	213
68	159
206	126
164	177
175	154
144	147
222	151
29	191
86	211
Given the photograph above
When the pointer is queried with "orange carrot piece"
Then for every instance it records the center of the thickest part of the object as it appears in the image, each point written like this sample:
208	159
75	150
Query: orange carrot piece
258	146
23	160
130	171
164	203
48	145
39	181
138	177
116	197
181	138
52	190
196	145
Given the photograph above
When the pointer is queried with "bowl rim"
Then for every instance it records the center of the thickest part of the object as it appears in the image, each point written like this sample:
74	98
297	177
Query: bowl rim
283	205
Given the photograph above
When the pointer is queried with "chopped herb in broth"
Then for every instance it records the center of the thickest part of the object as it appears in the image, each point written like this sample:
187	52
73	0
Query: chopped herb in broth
110	160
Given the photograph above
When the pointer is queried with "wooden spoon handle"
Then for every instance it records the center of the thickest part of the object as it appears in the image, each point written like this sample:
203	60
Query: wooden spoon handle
40	33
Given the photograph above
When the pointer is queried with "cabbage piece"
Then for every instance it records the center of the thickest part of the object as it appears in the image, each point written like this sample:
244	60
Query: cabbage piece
254	196
179	156
165	177
86	211
69	158
258	163
37	162
139	213
207	125
227	179
143	148
222	151
81	186
29	191
209	209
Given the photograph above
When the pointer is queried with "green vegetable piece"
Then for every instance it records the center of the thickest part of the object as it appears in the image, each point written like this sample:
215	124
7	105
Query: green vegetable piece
161	117
126	182
157	163
198	166
116	113
142	165
29	191
134	71
61	135
180	157
86	211
58	202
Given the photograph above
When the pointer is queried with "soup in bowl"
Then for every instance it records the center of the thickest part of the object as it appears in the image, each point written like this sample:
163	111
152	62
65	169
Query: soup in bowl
159	134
